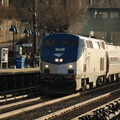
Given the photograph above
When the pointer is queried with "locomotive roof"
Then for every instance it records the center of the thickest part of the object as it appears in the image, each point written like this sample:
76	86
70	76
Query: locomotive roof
90	38
59	35
111	47
95	41
73	35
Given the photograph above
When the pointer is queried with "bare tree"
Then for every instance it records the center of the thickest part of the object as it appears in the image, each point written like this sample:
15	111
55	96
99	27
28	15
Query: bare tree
102	3
56	13
116	3
110	2
61	13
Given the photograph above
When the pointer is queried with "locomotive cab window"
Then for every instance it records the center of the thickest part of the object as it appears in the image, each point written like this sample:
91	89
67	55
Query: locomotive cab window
52	42
69	42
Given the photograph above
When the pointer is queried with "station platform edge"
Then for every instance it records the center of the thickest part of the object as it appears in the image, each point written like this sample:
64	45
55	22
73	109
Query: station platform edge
19	71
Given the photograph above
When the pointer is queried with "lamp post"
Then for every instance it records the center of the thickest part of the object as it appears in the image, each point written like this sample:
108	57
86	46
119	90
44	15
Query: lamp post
35	34
13	29
27	31
45	31
57	30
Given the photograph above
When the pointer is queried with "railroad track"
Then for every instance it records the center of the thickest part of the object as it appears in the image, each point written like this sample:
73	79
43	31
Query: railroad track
16	95
107	111
60	108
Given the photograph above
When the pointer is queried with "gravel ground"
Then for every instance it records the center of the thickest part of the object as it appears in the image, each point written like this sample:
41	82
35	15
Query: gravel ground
23	105
31	115
87	108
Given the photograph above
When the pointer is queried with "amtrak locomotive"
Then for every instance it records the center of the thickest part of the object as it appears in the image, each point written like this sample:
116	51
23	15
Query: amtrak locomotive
70	63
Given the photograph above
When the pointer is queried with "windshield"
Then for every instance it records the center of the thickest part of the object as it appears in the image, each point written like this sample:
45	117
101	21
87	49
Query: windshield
52	42
70	42
67	42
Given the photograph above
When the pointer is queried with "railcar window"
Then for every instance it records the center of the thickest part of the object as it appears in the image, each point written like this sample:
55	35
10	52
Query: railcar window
70	42
103	45
101	64
52	42
98	45
114	59
89	44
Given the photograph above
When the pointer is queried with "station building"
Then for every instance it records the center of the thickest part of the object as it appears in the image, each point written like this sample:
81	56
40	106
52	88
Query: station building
104	21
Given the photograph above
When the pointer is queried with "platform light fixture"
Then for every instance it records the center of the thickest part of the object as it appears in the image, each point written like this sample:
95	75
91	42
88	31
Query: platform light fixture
27	31
13	29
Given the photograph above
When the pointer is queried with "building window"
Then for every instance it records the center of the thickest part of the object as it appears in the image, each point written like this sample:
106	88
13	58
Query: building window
102	15
113	14
105	14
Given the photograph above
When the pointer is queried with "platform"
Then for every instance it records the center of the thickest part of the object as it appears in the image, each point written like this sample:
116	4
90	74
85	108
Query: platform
19	71
22	78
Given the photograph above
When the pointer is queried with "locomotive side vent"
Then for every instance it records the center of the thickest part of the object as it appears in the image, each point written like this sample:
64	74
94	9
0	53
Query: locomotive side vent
70	71
46	71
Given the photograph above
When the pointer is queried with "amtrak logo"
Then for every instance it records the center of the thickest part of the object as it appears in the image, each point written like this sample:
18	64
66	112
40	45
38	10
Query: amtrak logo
58	54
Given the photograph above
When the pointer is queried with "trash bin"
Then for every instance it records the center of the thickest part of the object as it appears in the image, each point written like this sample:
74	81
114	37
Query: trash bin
20	61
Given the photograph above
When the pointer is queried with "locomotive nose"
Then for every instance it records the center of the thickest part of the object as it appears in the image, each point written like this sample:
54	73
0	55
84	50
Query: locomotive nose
59	68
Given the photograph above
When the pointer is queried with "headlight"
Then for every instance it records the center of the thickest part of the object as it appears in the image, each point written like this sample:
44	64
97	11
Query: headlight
61	60
46	66
56	60
70	66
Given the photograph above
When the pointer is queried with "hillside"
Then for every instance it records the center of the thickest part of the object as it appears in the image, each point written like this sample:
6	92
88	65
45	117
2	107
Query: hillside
105	3
55	14
52	15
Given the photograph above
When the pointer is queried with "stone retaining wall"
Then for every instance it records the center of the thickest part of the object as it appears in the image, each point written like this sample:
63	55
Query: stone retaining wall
6	35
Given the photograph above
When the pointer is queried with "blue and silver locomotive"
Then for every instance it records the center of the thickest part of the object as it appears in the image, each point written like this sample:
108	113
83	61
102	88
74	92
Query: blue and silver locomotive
71	62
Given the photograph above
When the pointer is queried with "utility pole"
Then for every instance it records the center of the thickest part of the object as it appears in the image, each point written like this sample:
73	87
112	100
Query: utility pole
34	33
4	3
90	3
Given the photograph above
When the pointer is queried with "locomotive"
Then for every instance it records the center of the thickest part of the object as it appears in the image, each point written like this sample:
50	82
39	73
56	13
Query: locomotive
70	63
